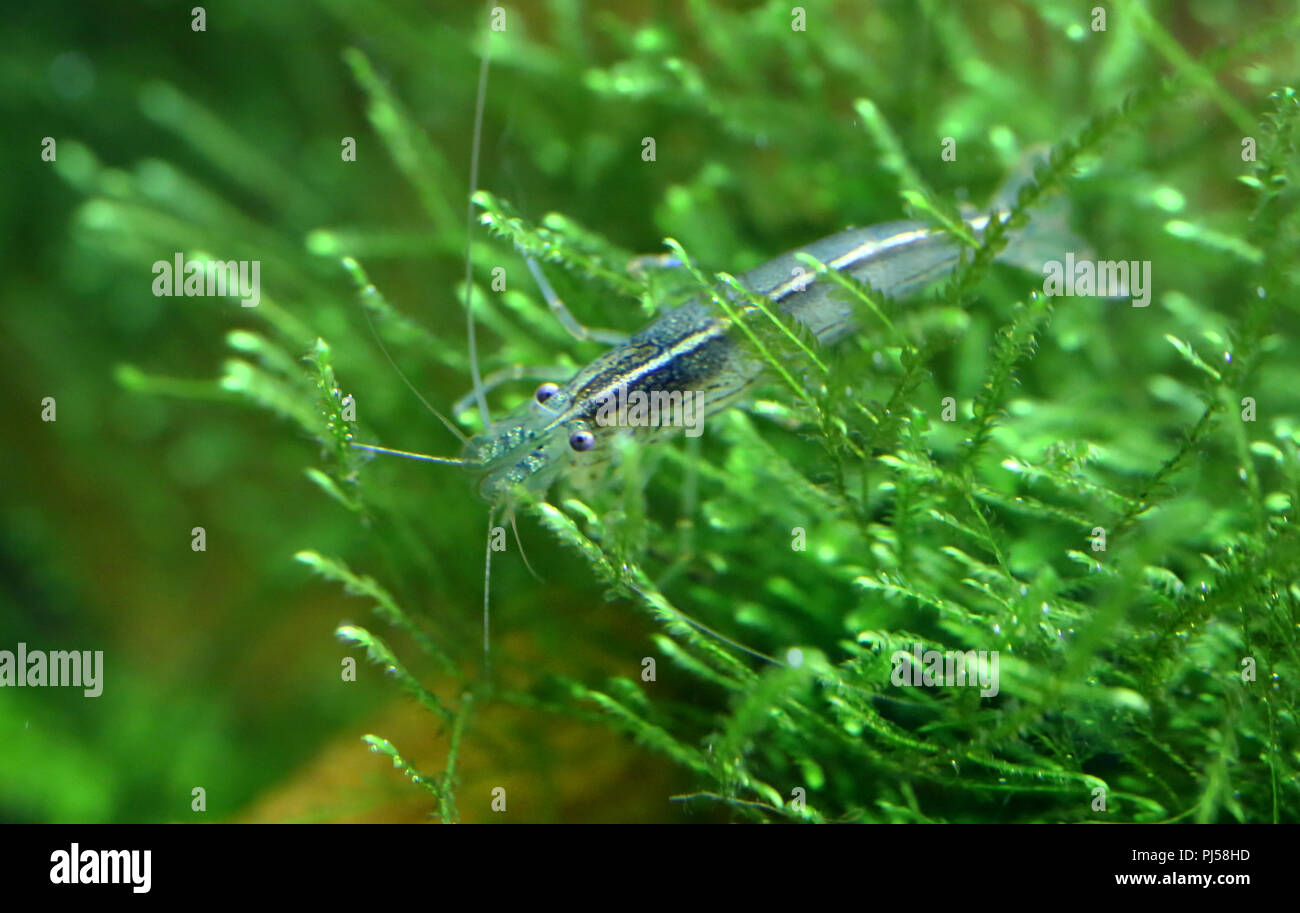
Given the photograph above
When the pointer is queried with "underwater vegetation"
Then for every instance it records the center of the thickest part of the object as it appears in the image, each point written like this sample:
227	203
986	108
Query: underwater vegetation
1082	497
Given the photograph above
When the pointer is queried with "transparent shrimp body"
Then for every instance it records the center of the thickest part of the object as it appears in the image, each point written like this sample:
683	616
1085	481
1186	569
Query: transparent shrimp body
695	349
687	350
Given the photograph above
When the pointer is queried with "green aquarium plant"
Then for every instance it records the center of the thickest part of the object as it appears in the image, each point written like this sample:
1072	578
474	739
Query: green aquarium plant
1085	507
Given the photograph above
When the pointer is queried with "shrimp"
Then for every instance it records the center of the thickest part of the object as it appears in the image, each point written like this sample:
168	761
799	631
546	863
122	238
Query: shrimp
693	350
696	349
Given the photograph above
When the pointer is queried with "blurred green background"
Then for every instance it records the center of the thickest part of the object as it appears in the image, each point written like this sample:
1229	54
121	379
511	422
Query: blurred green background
222	668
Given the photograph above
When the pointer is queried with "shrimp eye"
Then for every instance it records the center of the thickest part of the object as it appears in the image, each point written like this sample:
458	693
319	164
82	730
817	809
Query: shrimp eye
546	391
582	441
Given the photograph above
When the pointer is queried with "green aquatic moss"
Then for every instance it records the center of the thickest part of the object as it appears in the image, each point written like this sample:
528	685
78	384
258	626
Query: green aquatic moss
782	560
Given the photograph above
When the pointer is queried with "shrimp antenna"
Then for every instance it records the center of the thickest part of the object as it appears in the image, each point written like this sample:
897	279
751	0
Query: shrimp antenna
519	542
410	455
410	386
487	591
718	635
471	337
469	227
